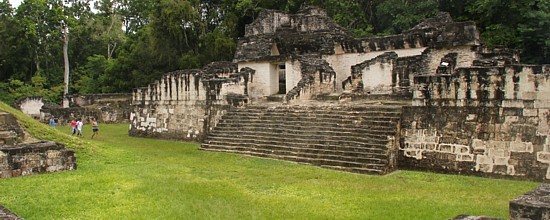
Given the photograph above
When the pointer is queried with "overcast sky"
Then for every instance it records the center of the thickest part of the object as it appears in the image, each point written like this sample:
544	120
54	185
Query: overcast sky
15	3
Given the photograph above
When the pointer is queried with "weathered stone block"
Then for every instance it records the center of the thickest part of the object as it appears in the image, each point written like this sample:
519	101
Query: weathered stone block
32	158
530	112
532	205
514	103
472	217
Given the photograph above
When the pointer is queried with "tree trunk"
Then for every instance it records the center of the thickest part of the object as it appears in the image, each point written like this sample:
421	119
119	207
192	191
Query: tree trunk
66	63
66	58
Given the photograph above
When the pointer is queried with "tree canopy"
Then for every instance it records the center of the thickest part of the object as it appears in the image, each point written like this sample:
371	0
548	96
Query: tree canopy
124	44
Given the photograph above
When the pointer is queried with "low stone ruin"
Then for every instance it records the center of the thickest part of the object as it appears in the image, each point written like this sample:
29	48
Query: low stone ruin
105	108
21	155
533	205
473	217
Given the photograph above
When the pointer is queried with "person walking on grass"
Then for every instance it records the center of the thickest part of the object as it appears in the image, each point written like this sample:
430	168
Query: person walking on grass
79	125
73	127
95	129
52	122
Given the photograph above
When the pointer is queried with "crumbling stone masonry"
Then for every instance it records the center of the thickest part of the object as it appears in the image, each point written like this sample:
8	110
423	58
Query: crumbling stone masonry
106	108
532	205
20	155
183	103
462	107
491	120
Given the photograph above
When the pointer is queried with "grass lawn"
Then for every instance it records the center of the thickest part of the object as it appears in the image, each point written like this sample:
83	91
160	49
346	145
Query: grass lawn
121	177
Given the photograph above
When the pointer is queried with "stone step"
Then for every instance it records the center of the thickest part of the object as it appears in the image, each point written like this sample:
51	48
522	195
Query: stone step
337	125
308	119
303	139
349	108
296	152
8	138
305	130
319	114
304	136
318	110
276	98
377	168
356	169
344	151
329	145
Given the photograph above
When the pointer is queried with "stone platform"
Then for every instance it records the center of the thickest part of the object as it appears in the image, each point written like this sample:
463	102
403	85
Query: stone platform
22	155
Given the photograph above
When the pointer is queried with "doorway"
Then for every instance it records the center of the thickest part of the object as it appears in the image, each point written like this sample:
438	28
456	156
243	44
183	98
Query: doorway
282	78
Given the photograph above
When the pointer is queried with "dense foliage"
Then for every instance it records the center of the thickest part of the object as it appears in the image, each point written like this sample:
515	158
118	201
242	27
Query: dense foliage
122	44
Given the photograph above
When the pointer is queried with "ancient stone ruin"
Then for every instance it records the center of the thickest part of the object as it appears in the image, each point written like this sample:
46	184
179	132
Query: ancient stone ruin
301	88
106	108
22	155
532	205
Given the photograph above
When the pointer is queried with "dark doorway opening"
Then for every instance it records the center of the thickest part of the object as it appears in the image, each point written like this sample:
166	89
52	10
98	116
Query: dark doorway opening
282	78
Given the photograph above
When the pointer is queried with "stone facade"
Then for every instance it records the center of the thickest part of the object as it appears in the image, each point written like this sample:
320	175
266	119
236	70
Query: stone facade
32	106
489	119
106	108
486	141
183	103
467	108
21	155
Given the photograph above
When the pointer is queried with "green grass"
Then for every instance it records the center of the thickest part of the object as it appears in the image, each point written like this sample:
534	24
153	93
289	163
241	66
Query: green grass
121	177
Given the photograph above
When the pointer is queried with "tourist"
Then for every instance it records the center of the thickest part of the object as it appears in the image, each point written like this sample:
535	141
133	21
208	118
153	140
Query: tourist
52	122
95	129
79	125
73	127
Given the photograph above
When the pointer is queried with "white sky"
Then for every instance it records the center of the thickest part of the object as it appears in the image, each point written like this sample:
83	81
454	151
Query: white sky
15	3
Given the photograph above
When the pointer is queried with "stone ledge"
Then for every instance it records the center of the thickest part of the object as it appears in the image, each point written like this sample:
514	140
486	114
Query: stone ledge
33	158
532	205
471	217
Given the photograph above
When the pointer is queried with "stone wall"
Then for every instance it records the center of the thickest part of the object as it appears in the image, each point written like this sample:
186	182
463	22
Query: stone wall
507	86
317	78
30	106
484	141
185	104
33	158
481	120
106	108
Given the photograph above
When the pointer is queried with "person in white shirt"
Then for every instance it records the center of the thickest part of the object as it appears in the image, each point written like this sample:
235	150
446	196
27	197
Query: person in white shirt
79	125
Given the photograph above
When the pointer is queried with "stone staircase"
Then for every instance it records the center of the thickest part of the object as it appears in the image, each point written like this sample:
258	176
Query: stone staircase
349	138
10	131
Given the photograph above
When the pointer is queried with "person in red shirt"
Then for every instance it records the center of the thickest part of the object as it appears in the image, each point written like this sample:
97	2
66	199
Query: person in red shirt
73	127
